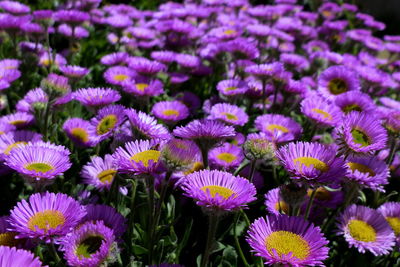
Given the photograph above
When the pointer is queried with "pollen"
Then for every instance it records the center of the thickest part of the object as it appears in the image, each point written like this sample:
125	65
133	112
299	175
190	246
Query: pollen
361	138
284	242
39	167
106	124
106	176
310	161
8	239
120	77
227	157
220	190
361	168
282	206
230	116
337	86
141	86
170	112
323	113
273	127
361	231
89	246
10	147
46	220
394	222
146	156
80	134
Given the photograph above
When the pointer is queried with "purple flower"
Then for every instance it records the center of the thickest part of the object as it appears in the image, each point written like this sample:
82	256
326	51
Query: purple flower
361	133
34	97
218	190
274	202
97	97
46	216
285	240
81	132
144	86
391	212
100	172
144	66
13	257
322	112
367	171
14	7
355	101
107	120
366	229
117	58
313	162
75	72
337	80
119	75
230	114
72	17
232	87
170	111
11	140
226	156
89	245
278	127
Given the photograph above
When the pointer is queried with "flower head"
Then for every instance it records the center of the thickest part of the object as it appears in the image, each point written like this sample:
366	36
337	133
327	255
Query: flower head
170	111
337	80
107	120
366	229
100	172
46	216
81	132
321	111
226	156
218	190
230	114
12	257
391	212
288	240
278	127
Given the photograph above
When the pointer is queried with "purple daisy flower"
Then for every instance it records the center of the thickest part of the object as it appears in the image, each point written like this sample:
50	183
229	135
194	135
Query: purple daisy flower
138	157
165	57
187	61
144	66
367	171
391	212
100	172
206	133
89	245
118	58
227	156
72	17
9	64
74	72
118	21
337	80
145	126
37	164
119	75
13	257
18	119
107	215
96	97
274	202
361	133
218	190
34	97
325	197
56	85
389	102
45	61
230	114
232	87
278	127
322	112
355	101
14	7
7	238
144	86
107	120
11	140
287	240
313	162
6	128
80	132
170	111
264	71
77	32
179	154
366	229
46	215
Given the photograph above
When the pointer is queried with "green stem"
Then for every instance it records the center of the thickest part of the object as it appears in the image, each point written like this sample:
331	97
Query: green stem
204	154
393	148
132	213
309	205
212	229
241	167
46	121
164	188
237	243
53	252
150	187
252	169
113	189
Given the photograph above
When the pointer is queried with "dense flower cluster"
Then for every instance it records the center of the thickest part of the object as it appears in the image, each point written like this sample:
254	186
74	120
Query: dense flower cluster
281	121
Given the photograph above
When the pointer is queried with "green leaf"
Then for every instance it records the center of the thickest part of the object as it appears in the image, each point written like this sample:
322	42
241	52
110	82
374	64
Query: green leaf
139	250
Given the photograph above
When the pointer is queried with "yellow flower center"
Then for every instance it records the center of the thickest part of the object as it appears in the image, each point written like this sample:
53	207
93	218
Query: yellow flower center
361	231
145	156
7	151
106	176
80	134
361	168
321	194
107	124
46	220
141	86
170	112
230	32
220	190
285	242
197	166
227	157
274	127
230	116
308	161
120	77
282	206
352	107
337	86
8	239
46	62
326	13
361	138
231	88
323	113
18	122
89	246
39	167
394	222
